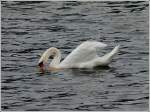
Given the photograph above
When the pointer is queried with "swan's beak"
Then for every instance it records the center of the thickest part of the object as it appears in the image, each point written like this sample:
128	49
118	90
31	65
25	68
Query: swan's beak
41	66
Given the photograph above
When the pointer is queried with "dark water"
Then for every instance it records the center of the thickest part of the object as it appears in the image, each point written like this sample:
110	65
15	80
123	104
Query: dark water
29	28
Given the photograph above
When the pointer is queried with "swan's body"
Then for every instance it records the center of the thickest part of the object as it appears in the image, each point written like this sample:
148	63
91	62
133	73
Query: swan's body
84	56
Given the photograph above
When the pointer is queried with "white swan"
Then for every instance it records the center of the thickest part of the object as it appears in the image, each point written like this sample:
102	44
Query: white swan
84	56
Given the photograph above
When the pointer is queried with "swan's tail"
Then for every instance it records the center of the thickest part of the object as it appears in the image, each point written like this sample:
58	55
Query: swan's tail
108	57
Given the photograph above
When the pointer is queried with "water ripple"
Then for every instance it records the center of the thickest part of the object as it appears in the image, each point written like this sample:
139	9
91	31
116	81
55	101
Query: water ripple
30	27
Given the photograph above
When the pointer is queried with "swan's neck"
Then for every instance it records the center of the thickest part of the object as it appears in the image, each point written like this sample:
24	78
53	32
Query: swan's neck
56	60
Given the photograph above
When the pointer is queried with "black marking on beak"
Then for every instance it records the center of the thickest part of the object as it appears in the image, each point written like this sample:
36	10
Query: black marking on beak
51	57
41	64
41	67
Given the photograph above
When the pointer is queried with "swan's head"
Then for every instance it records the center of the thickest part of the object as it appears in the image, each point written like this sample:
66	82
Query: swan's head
51	52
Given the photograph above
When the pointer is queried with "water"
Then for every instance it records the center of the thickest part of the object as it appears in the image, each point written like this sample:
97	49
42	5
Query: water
29	28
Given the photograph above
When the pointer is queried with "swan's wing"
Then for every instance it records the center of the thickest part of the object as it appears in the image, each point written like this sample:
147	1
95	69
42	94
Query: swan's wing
84	52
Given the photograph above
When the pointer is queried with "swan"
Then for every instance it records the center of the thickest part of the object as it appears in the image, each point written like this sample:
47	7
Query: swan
84	56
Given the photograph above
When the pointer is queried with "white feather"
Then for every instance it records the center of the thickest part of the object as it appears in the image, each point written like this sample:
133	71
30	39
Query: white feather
83	53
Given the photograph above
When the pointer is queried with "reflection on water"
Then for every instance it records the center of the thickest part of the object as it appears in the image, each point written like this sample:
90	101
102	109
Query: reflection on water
30	27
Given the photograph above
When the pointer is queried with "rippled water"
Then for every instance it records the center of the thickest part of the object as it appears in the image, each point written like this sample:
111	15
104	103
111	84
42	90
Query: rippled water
29	28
